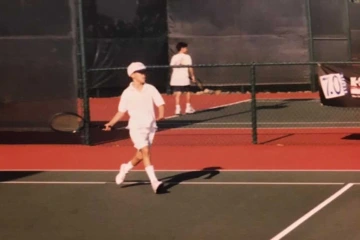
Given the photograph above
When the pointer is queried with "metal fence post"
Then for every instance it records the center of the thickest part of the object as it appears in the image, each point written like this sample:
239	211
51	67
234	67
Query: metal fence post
86	108
253	103
348	30
311	46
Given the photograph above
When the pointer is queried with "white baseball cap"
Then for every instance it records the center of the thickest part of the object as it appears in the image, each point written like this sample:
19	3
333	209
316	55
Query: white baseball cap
134	67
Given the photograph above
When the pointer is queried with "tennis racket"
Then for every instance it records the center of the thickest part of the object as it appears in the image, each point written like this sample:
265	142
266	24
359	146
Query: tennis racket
69	122
199	84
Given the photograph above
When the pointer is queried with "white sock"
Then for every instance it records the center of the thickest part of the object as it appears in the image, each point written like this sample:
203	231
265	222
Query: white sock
177	106
188	105
151	173
128	166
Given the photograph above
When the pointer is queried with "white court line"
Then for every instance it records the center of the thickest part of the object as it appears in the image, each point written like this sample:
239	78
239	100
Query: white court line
184	170
306	127
190	127
258	183
52	183
182	183
267	123
259	128
228	104
312	212
272	123
286	100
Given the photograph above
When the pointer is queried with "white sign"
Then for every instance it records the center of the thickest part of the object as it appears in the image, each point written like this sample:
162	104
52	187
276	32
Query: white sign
355	87
333	85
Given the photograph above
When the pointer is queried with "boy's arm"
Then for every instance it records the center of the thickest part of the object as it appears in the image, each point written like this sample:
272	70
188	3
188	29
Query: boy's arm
192	74
172	61
159	102
118	116
122	108
191	70
161	109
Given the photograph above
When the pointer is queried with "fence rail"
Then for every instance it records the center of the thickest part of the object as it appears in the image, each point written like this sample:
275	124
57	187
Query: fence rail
253	80
228	65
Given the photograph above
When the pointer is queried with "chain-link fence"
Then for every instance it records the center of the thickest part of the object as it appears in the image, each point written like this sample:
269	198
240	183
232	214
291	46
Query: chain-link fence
230	112
259	68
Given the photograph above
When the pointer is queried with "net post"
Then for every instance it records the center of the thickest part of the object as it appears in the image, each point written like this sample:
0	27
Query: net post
86	108
310	46
348	32
253	103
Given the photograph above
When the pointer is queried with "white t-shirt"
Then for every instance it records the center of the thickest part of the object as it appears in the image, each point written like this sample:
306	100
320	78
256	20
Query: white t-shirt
180	76
140	105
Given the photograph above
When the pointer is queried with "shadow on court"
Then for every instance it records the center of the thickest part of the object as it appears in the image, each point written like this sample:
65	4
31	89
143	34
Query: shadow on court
172	181
277	138
50	137
39	138
354	136
12	175
186	120
210	115
99	137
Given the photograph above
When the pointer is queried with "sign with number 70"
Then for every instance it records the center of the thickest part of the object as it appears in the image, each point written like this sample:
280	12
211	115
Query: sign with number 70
333	85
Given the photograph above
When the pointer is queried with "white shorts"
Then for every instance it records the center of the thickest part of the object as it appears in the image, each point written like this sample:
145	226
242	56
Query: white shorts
142	137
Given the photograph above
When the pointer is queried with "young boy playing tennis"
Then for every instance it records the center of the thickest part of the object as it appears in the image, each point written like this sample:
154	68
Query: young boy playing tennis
138	100
180	79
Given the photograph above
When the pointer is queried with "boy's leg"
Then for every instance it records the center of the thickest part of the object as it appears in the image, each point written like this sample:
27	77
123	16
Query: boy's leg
126	167
177	102
189	108
142	139
136	159
145	152
149	168
155	183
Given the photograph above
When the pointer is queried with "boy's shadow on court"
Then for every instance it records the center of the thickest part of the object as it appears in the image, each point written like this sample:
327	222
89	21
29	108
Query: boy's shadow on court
172	181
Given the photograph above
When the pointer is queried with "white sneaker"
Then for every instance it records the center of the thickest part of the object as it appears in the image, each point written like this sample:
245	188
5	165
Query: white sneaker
177	111
155	186
189	110
120	177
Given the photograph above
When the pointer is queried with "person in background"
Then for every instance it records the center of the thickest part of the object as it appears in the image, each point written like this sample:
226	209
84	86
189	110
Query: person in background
180	77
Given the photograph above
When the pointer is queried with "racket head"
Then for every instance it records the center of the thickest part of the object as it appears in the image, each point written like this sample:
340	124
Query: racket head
66	122
199	84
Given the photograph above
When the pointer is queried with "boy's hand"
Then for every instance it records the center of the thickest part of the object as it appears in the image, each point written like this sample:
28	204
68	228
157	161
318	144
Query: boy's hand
108	127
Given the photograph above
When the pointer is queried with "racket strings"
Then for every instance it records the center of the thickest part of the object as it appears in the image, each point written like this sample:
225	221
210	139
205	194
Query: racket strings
199	84
67	123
